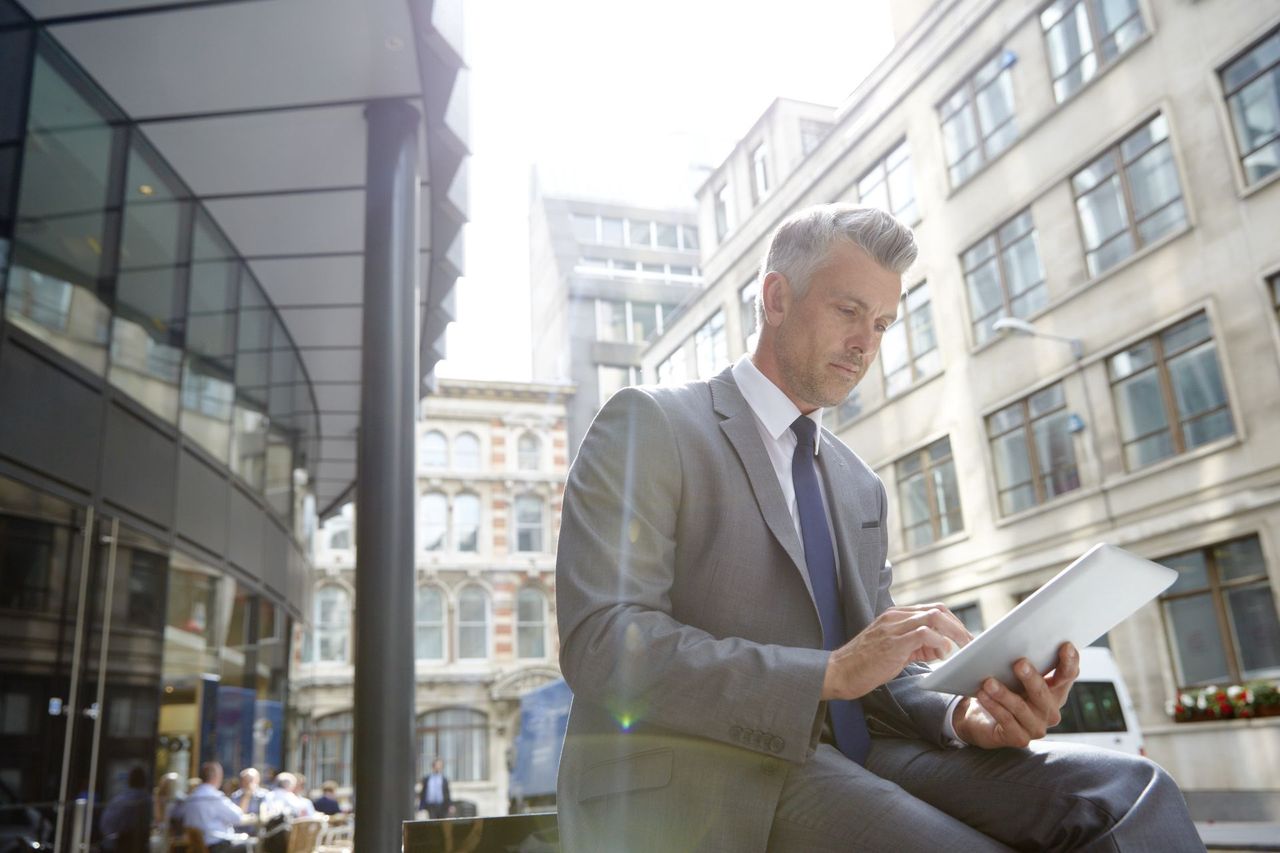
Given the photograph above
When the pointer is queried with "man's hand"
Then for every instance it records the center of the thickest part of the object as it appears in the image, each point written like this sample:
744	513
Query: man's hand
998	717
899	635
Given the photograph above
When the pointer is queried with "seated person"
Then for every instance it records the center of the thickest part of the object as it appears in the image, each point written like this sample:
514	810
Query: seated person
327	803
250	796
286	798
210	811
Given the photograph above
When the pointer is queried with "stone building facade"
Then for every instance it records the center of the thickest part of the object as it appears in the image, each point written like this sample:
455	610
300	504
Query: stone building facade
492	459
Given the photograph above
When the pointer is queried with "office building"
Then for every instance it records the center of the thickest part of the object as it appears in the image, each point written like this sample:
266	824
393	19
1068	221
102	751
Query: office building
1088	348
184	235
605	278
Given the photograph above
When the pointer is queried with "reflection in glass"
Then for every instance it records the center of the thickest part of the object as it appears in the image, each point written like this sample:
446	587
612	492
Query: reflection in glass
208	378
190	665
64	223
253	346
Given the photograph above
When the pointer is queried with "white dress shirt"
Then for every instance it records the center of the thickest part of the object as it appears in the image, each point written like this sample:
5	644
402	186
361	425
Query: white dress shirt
212	812
774	413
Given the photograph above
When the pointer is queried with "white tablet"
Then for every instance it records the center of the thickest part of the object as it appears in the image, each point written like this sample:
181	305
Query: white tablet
1080	604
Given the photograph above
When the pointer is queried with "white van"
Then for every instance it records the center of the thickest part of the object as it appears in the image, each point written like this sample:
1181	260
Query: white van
1098	710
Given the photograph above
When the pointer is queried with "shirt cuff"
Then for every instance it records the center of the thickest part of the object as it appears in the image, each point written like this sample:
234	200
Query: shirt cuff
948	726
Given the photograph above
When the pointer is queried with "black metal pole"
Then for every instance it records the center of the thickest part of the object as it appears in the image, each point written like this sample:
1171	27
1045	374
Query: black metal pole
384	683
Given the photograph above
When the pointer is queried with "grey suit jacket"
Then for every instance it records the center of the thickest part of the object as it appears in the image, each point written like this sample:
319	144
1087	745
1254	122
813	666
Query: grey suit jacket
688	631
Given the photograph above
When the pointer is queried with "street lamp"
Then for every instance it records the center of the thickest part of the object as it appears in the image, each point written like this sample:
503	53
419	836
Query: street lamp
1022	327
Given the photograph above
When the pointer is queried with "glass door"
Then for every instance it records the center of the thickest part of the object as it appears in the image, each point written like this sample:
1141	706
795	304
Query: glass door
81	638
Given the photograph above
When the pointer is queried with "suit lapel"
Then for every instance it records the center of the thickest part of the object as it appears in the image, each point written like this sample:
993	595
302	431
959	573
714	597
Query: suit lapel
849	507
739	426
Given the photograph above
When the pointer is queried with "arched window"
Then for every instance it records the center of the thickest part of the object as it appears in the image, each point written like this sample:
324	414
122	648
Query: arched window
340	538
428	624
460	736
434	450
530	452
529	524
332	624
466	452
531	623
433	521
466	522
473	623
329	755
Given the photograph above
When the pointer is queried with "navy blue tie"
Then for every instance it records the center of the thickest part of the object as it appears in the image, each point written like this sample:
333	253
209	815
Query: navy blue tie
847	719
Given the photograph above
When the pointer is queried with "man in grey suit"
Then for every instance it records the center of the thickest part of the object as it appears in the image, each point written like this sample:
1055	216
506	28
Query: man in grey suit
742	678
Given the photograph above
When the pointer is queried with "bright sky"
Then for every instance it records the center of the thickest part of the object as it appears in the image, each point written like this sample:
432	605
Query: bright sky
625	99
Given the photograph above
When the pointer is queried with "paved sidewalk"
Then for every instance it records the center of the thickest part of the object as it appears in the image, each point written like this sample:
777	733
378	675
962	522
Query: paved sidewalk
1239	835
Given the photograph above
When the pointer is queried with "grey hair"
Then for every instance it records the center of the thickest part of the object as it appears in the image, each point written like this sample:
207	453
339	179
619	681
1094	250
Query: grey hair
800	245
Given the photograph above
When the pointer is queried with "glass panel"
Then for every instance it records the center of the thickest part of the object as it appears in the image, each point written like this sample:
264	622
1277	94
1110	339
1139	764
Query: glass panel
1255	629
1153	180
611	231
208	381
473	625
1005	419
584	227
666	235
466	520
65	222
1102	213
1056	454
1197	382
1193	571
428	624
1262	55
1140	406
530	452
1240	559
644	321
638	232
1012	460
433	521
253	349
612	320
1187	333
689	235
1193	627
1069	40
528	523
1133	359
191	671
1045	400
530	618
466	452
947	494
435	450
1022	265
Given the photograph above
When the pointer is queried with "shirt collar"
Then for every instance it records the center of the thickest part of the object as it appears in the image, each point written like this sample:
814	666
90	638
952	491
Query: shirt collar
770	404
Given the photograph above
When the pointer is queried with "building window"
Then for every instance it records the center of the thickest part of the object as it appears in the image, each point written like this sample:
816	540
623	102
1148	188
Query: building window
890	186
977	118
466	522
909	349
759	172
929	495
473	623
428	624
850	408
1004	275
1086	35
584	228
333	624
1034	456
811	134
614	377
529	524
748	316
610	231
1220	614
1169	393
433	521
1252	87
340	539
689	238
635	322
331	749
674	369
970	615
529	451
1129	197
667	235
724	212
434	450
466	452
531	624
711	346
639	232
459	736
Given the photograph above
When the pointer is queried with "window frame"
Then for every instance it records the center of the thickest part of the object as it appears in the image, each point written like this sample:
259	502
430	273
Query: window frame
422	522
971	91
1115	151
705	340
423	451
426	724
519	525
722	211
457	456
881	165
760	184
1160	363
904	321
925	471
340	628
541	624
441	626
459	623
1033	234
1227	94
456	530
1096	37
1215	588
525	454
1038	477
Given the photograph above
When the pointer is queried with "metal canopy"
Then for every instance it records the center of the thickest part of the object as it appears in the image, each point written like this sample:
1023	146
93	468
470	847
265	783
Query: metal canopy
259	106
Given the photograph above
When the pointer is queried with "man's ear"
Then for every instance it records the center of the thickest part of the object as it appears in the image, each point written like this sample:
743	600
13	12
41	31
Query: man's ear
776	293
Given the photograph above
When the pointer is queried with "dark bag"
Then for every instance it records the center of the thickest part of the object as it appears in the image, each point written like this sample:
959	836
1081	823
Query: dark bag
273	837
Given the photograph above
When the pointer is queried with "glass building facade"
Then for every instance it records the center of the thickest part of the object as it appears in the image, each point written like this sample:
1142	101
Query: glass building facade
157	435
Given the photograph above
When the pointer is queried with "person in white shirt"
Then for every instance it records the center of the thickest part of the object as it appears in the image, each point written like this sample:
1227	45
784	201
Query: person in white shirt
286	798
212	812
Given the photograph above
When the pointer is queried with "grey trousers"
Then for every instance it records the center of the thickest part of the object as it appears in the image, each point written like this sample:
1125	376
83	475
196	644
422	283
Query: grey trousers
913	796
